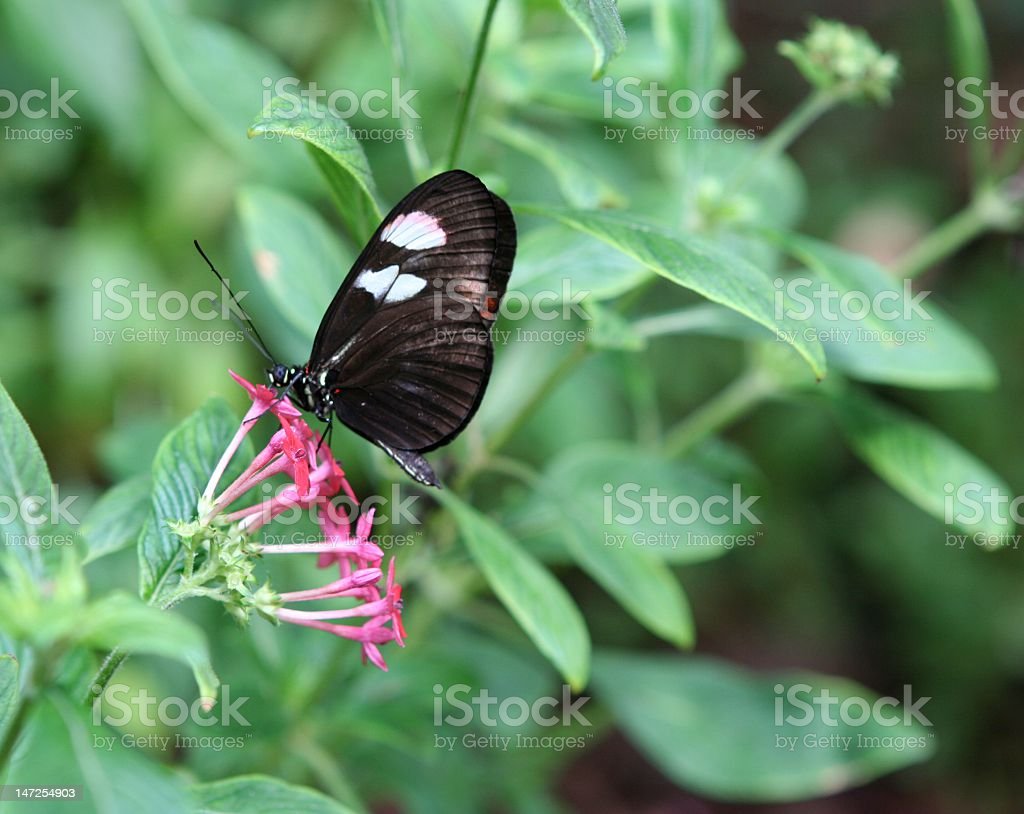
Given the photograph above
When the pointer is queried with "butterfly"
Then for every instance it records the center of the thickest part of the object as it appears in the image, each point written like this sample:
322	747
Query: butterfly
403	353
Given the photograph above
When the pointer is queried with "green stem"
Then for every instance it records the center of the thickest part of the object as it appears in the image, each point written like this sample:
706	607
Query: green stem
940	243
325	769
1011	159
785	133
467	95
513	468
389	24
114	659
40	677
734	401
13	731
554	378
991	208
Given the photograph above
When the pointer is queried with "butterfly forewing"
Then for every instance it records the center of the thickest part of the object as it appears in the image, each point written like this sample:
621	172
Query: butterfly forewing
405	347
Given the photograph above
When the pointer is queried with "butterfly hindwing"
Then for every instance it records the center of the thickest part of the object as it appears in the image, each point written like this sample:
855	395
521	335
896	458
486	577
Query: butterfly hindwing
405	346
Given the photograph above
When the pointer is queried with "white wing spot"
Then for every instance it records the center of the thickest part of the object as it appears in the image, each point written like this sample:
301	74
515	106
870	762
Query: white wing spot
414	230
406	286
377	282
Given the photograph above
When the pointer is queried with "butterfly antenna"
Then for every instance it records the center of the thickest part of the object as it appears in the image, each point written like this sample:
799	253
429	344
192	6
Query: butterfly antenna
238	314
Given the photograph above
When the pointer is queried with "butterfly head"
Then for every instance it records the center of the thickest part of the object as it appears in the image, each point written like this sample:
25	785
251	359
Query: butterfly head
281	375
308	394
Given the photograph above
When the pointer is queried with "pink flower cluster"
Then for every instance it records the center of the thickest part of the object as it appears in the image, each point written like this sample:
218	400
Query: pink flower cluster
314	479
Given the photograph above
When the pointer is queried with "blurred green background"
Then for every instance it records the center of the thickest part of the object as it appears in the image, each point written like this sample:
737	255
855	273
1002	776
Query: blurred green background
848	579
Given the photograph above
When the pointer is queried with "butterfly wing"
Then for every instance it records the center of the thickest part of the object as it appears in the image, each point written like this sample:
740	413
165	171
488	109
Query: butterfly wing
405	347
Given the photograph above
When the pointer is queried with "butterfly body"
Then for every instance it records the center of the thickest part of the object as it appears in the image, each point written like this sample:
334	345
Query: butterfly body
303	390
403	353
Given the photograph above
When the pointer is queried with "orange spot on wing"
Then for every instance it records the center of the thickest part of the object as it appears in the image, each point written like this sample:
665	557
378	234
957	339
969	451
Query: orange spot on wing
267	263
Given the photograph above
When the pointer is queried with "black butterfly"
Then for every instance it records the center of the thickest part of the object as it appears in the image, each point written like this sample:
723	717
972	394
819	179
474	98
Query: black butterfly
403	353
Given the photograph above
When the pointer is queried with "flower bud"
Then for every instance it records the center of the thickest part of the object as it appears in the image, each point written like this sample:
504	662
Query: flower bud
840	59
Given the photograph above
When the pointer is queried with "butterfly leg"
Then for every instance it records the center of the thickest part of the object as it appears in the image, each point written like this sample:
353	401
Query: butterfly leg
326	434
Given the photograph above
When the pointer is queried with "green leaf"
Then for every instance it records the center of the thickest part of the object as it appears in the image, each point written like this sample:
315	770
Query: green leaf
599	20
925	466
612	331
902	342
257	794
121	621
389	19
695	263
536	600
705	319
126	448
91	46
695	37
580	185
556	259
772	193
181	469
38	611
337	153
638	579
61	747
296	256
10	691
713	728
608	482
971	59
217	74
23	475
116	519
543	74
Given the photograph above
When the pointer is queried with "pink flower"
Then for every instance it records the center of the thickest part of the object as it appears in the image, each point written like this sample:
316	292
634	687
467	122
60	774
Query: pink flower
315	477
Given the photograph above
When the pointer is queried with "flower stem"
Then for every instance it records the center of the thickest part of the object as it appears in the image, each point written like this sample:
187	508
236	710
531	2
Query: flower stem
467	94
785	133
386	15
513	425
325	769
959	230
115	658
738	398
1011	159
991	208
544	389
14	728
513	468
225	459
